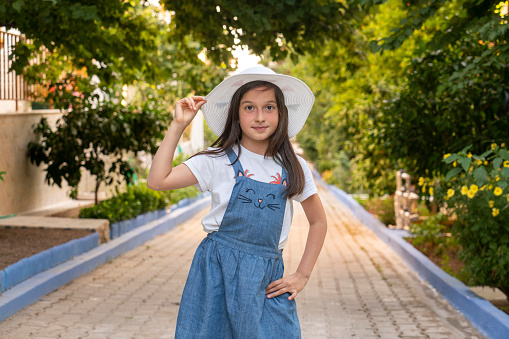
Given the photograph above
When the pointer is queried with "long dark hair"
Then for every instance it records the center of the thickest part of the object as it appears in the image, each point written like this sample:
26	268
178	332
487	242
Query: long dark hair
279	147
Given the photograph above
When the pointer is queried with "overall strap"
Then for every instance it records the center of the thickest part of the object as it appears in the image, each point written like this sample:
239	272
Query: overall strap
237	166
284	174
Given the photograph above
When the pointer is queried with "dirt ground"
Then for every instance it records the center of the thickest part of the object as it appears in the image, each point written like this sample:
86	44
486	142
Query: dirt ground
17	243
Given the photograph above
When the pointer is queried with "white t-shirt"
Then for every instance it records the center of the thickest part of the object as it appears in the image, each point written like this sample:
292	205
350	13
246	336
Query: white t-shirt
216	175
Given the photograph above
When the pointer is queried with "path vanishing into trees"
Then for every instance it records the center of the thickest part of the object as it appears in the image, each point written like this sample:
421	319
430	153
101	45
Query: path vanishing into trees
360	288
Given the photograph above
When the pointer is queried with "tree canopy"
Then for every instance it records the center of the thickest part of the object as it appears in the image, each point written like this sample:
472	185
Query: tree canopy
285	27
395	98
127	36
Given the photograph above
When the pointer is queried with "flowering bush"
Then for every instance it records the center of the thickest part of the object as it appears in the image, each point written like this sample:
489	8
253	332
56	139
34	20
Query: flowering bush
476	190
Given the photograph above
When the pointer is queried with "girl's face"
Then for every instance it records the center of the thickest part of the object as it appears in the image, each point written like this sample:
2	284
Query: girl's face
258	117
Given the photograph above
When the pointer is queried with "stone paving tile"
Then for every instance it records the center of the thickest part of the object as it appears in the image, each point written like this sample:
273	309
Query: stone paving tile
360	288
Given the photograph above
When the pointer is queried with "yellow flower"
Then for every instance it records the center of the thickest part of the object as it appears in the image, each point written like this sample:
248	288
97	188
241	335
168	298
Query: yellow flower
424	189
498	191
483	188
421	181
455	163
485	162
493	146
464	190
469	154
474	188
470	194
490	186
495	212
492	203
431	191
447	155
508	198
479	162
450	193
506	163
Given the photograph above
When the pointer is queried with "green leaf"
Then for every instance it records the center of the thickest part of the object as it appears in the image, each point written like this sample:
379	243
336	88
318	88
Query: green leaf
496	163
465	163
451	158
502	184
481	176
18	4
485	154
505	172
504	154
466	148
452	173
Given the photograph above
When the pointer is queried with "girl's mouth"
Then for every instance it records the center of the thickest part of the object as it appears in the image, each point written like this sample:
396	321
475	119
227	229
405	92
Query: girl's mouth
260	129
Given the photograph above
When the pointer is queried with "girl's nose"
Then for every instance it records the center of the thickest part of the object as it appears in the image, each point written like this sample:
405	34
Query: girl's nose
260	116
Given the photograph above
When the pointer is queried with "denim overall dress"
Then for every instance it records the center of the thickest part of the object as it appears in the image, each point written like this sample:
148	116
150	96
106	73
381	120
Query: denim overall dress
224	296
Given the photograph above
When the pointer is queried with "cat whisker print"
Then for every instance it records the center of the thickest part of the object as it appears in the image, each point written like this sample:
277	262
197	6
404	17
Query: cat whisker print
245	200
273	206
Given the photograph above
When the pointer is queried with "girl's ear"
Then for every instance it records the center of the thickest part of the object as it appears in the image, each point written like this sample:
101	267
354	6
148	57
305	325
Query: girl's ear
284	182
240	174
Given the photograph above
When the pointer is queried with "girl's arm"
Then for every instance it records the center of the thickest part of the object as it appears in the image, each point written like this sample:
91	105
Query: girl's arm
294	283
162	176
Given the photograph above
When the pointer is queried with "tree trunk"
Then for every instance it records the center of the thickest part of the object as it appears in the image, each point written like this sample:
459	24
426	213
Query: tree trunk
97	184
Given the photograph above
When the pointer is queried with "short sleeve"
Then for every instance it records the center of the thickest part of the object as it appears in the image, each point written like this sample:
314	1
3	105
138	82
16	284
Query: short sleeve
309	186
202	167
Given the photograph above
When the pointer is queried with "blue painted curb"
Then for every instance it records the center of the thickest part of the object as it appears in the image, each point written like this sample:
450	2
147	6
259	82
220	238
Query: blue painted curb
32	289
124	226
42	261
488	319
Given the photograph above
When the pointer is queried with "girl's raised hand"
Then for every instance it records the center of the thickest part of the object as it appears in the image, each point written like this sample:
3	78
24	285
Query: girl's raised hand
186	109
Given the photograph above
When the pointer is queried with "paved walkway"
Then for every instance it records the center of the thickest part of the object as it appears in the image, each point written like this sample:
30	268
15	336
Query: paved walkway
359	289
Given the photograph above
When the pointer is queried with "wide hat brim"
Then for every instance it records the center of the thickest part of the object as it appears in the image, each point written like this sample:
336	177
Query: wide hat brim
299	98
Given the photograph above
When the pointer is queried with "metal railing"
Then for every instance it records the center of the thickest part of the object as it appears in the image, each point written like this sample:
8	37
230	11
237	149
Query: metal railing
12	85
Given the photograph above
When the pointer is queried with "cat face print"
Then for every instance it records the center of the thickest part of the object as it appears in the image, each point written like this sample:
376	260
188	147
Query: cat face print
259	199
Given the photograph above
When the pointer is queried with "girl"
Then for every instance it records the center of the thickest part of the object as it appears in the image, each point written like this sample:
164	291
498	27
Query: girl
235	287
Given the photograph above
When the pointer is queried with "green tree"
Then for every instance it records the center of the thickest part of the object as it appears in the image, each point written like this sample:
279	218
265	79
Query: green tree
286	27
93	133
351	84
406	105
438	111
106	37
109	37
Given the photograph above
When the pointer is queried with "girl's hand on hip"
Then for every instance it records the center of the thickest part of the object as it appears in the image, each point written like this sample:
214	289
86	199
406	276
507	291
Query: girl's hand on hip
292	284
186	109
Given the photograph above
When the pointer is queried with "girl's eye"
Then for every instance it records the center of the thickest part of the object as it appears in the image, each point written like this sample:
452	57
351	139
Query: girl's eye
270	107
249	107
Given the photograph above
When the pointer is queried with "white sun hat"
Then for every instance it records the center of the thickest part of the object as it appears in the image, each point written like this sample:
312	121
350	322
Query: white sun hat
298	98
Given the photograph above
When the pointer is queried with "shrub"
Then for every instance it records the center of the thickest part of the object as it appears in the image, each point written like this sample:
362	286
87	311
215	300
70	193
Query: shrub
134	201
433	231
381	207
476	189
433	237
